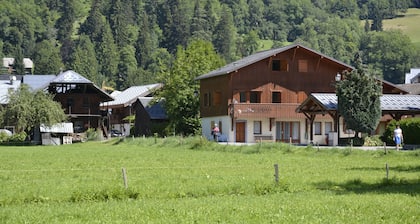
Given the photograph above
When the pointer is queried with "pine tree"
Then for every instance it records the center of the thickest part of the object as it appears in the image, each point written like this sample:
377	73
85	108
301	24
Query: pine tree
224	40
199	25
47	58
84	60
359	100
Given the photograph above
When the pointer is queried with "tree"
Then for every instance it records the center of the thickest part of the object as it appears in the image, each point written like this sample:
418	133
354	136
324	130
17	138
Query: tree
181	104
26	110
18	64
389	52
359	100
84	60
46	58
225	32
64	27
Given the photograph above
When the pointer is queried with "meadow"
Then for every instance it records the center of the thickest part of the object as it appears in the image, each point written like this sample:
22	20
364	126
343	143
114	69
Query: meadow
190	180
407	23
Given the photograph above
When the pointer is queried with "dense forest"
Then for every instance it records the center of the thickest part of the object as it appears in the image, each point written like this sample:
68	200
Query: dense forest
121	43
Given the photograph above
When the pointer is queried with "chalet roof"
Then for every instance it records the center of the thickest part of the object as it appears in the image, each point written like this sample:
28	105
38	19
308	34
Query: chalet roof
251	59
27	62
36	82
156	110
130	95
5	86
413	88
389	102
71	77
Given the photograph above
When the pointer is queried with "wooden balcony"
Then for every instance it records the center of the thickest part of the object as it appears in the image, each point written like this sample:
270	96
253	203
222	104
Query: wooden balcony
265	110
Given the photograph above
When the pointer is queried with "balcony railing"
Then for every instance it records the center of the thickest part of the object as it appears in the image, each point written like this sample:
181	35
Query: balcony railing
265	110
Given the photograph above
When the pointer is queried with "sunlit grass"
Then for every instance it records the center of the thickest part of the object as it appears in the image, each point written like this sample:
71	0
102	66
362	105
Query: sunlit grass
184	180
408	23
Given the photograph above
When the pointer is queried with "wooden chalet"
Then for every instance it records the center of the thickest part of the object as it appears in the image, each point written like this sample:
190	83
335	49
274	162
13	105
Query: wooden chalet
80	99
128	103
256	98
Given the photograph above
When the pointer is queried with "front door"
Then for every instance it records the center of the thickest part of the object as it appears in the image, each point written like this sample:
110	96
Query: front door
240	131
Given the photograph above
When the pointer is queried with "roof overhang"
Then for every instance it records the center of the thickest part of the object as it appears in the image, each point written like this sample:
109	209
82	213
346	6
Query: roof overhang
393	104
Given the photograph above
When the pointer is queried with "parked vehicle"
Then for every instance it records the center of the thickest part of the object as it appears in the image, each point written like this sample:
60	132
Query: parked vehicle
115	133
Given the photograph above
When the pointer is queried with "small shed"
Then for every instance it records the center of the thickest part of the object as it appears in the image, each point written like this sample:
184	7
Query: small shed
57	134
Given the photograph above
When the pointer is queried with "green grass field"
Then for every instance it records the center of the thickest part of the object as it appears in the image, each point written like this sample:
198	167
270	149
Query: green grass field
408	24
190	180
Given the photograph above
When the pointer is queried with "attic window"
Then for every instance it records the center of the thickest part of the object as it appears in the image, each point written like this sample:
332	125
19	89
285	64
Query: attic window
279	65
303	65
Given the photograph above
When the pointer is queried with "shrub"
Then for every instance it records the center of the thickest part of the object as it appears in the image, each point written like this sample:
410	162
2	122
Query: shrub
18	137
411	131
373	141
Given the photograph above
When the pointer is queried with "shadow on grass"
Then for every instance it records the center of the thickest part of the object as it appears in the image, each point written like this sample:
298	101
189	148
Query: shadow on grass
385	186
396	168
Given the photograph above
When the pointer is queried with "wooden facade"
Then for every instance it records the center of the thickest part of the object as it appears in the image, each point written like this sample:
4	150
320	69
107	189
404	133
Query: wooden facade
266	87
80	99
256	98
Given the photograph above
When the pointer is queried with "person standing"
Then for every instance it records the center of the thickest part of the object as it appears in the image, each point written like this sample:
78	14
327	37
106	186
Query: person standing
398	137
215	132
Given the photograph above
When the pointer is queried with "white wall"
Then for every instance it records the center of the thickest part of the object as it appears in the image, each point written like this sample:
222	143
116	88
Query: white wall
226	127
265	124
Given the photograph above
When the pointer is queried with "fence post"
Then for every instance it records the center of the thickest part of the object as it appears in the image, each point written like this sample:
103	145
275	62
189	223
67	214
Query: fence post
276	173
386	152
387	170
124	173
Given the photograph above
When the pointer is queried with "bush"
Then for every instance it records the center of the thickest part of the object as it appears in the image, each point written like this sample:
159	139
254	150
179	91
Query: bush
373	141
18	137
411	131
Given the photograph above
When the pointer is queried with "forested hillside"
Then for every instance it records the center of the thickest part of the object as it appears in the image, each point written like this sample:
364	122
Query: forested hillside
121	43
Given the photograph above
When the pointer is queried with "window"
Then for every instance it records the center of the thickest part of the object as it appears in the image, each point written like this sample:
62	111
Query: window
257	127
317	128
275	65
328	127
303	65
276	97
207	99
242	97
254	97
217	99
279	65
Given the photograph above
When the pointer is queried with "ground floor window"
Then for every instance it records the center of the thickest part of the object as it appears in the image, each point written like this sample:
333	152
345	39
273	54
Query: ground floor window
286	130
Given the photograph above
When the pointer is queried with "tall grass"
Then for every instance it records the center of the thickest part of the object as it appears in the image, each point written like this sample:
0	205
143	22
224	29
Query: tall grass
185	180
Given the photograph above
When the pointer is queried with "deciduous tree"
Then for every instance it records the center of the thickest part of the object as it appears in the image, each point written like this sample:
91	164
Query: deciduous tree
181	102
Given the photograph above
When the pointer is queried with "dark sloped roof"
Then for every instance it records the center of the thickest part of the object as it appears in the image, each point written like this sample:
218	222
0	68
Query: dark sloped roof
155	110
36	82
251	59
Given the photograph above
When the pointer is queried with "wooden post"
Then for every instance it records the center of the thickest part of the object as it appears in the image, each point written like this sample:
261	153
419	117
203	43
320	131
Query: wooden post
387	170
276	173
124	173
386	152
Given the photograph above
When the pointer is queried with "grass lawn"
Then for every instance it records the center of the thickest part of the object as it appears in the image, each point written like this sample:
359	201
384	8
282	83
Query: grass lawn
190	180
408	24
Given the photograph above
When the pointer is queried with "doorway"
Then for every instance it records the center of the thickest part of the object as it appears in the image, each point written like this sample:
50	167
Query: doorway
240	131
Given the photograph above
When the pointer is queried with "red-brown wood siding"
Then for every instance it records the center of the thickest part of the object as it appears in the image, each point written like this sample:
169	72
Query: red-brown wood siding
294	86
